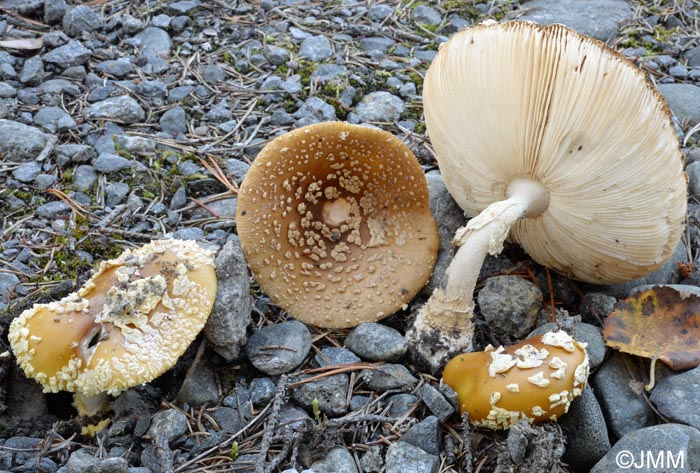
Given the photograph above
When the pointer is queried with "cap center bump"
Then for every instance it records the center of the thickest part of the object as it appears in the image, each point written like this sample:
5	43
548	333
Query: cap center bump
336	212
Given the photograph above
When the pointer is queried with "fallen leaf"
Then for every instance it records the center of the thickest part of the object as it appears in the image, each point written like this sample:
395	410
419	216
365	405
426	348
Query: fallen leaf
661	322
22	44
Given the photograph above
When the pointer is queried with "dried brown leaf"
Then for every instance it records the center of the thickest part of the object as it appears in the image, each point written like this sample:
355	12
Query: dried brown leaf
661	322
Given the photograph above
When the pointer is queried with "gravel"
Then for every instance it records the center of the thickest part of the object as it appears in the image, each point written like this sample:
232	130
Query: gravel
510	304
279	348
674	396
376	342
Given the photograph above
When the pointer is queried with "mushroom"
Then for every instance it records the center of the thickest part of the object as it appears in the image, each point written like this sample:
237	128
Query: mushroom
335	224
125	326
554	139
534	380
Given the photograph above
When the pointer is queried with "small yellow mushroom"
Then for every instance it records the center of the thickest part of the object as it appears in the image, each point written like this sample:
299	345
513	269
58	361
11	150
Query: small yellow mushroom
535	380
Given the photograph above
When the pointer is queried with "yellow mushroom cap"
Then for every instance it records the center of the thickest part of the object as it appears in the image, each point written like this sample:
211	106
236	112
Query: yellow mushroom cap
535	380
335	223
127	325
516	101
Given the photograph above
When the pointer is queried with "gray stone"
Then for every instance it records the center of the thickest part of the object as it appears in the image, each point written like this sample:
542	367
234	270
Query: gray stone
19	142
212	74
327	72
152	90
32	71
436	403
337	460
679	440
693	56
108	163
586	432
236	168
7	91
684	100
275	54
376	342
122	108
335	356
81	19
379	12
229	419
279	348
161	21
183	7
316	109
115	193
379	107
76	153
595	307
49	119
136	144
155	41
425	15
59	86
510	304
402	457
54	11
679	71
52	209
693	172
174	121
400	403
24	447
230	316
376	43
27	172
372	461
168	424
44	181
582	332
625	409
425	435
200	386
597	18
449	217
676	395
8	282
118	68
388	376
131	25
262	391
316	48
219	113
330	392
84	177
100	93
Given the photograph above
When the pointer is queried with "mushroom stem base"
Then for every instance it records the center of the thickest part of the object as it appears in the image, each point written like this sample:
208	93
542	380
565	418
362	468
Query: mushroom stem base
89	405
431	346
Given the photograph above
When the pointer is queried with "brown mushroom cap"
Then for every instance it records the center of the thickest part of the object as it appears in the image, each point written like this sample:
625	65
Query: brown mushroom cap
535	380
514	102
335	224
127	325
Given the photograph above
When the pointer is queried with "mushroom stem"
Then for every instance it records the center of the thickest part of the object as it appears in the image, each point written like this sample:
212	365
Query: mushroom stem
447	314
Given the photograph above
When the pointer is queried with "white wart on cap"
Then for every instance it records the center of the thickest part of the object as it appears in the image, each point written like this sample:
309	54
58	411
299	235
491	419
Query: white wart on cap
555	139
335	223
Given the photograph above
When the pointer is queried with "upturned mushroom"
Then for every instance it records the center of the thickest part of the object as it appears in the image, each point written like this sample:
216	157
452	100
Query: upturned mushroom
335	224
534	380
126	325
554	139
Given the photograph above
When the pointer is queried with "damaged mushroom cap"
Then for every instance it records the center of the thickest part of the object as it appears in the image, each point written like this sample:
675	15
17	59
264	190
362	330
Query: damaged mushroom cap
127	325
335	223
569	129
534	380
